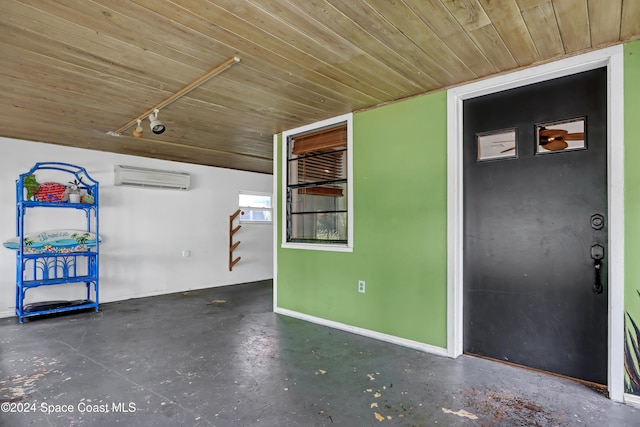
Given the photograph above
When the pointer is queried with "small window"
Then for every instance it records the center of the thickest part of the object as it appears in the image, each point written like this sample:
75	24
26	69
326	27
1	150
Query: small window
565	135
499	144
256	207
317	184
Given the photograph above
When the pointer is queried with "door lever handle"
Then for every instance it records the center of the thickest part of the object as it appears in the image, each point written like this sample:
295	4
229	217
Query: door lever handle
597	286
597	253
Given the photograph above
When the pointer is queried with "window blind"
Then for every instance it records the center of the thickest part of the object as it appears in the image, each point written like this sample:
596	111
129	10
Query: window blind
323	140
320	157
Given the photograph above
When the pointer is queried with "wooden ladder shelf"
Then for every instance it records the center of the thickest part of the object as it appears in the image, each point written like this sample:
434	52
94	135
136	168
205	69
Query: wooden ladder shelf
233	245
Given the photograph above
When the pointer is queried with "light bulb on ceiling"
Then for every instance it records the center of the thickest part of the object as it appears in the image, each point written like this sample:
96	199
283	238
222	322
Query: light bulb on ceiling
156	125
137	132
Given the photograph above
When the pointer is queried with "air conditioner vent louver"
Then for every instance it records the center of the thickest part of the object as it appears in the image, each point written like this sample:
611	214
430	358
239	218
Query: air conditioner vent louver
151	178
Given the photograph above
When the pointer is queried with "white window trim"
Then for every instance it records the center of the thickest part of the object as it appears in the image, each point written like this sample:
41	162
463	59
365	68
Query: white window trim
271	209
348	118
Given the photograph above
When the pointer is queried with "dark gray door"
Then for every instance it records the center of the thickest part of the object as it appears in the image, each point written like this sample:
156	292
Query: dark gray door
535	238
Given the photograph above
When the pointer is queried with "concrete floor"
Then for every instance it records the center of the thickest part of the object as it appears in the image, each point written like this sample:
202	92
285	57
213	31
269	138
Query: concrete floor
220	357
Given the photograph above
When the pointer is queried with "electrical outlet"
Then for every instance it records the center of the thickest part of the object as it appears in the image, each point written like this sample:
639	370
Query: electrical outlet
361	286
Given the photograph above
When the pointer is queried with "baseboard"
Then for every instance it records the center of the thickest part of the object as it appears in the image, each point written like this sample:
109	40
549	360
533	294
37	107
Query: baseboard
427	348
632	400
7	313
154	293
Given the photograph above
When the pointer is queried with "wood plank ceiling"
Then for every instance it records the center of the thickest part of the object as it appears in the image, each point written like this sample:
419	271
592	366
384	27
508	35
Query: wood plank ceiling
74	70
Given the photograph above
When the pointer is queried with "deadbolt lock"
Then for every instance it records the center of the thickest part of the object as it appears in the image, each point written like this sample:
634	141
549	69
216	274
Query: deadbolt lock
597	221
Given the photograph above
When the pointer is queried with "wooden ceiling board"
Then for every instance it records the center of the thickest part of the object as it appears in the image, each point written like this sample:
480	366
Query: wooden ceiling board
73	70
315	38
50	38
493	47
630	26
573	23
67	84
473	18
604	21
350	32
262	91
42	109
179	153
387	64
200	120
84	41
256	55
375	24
509	23
530	4
117	19
469	13
441	21
364	74
261	103
543	27
343	77
412	27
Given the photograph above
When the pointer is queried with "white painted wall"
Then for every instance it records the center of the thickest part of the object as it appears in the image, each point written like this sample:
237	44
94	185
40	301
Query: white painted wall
144	231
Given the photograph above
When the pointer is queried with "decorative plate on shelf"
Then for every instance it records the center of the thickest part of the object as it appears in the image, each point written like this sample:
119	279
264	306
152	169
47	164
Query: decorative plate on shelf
55	241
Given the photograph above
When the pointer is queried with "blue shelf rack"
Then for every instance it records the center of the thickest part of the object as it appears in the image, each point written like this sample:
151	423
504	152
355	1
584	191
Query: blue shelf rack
47	269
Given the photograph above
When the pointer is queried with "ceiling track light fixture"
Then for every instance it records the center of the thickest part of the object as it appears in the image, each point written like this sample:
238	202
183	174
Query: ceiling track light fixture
137	132
156	125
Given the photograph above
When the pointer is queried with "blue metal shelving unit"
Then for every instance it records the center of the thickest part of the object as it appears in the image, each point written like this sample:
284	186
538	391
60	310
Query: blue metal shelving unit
46	269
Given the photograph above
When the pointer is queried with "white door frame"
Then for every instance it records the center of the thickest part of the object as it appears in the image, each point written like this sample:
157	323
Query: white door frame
612	58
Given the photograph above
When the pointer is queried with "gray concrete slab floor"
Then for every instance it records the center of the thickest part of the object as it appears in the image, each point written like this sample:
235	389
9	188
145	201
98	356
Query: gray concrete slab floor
221	357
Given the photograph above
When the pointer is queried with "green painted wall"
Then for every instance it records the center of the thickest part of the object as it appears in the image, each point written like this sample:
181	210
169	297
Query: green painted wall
400	227
632	211
400	231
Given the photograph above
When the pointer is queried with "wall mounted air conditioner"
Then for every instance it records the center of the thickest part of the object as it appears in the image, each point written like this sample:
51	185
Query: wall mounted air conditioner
151	178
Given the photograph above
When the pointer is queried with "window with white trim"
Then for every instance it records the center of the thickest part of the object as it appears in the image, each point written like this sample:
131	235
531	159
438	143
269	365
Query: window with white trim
317	183
255	207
